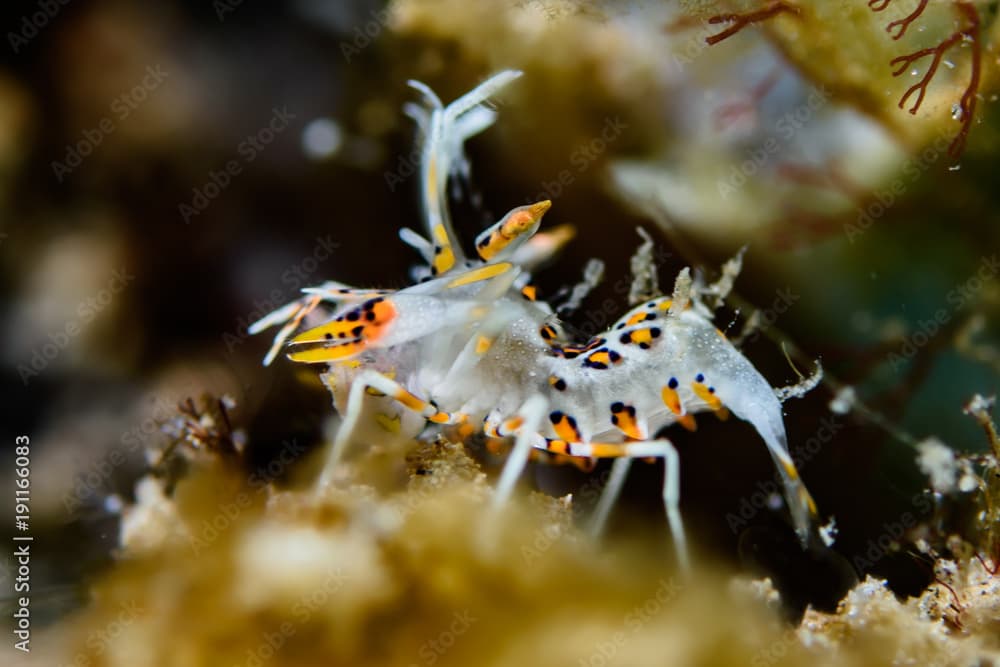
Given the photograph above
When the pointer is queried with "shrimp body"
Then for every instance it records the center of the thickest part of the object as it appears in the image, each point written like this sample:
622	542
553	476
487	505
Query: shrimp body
469	345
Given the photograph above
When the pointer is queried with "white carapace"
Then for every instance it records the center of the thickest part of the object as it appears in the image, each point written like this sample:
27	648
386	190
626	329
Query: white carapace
469	345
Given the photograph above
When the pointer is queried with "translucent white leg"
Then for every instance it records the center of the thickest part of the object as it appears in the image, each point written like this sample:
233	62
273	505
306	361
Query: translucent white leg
664	449
609	496
531	413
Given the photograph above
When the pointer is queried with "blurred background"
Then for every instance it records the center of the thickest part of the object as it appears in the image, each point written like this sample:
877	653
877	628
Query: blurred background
171	171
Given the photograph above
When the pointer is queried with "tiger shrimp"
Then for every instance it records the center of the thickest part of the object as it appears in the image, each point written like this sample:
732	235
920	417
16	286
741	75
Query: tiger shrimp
468	345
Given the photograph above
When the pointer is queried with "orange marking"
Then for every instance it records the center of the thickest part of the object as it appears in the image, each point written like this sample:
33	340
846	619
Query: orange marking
665	304
496	446
440	418
516	223
483	344
320	355
600	358
366	322
626	422
642	336
603	450
688	422
444	259
482	273
530	292
672	400
465	430
636	318
565	428
701	391
409	400
512	424
558	446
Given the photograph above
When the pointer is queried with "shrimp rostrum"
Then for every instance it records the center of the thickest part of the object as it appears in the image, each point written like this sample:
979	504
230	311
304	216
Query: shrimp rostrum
469	345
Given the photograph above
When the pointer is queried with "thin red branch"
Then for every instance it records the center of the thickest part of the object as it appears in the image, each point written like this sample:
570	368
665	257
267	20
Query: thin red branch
904	23
970	33
956	605
878	5
920	87
991	569
967	105
740	21
726	113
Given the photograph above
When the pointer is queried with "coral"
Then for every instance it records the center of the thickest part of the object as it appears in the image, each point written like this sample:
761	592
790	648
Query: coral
430	574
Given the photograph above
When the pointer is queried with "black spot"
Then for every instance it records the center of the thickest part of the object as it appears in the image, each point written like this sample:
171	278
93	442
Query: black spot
620	326
630	410
328	335
672	383
651	304
626	338
356	331
711	390
353	316
615	357
655	332
571	421
644	346
617	406
559	384
650	316
370	316
699	378
556	416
